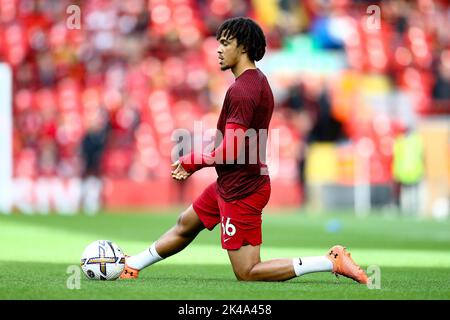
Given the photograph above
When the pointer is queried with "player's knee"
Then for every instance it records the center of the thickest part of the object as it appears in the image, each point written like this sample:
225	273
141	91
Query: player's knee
184	228
245	275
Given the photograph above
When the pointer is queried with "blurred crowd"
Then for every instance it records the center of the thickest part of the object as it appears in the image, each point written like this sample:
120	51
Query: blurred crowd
137	69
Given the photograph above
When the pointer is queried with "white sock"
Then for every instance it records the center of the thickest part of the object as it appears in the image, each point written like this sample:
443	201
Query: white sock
311	264
144	259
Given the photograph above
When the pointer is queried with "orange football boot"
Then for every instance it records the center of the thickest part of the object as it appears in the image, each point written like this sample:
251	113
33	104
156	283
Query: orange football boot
128	272
344	265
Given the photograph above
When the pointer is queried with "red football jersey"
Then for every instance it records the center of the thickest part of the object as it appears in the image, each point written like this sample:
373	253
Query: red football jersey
248	102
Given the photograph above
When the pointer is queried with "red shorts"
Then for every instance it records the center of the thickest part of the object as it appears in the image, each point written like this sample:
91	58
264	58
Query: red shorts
240	220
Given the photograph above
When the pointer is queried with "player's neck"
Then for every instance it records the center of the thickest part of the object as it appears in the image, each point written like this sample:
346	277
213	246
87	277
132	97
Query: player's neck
242	66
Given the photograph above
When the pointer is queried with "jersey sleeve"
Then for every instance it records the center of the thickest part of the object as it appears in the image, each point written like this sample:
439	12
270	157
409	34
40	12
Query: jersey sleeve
224	153
241	107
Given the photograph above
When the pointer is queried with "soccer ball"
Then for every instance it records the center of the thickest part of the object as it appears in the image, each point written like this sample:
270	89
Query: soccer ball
102	260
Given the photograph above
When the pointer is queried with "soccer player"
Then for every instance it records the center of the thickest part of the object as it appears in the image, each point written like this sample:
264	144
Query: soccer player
242	190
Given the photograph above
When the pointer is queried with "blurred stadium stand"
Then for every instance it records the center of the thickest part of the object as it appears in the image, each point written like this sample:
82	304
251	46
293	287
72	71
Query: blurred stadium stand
152	67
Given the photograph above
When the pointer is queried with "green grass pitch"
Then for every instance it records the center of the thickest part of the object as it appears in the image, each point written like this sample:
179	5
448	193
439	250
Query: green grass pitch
37	251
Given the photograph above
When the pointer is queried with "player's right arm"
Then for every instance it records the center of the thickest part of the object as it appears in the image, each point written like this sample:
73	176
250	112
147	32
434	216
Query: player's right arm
224	153
178	172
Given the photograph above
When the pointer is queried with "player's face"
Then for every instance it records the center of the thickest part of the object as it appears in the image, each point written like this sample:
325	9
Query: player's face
229	53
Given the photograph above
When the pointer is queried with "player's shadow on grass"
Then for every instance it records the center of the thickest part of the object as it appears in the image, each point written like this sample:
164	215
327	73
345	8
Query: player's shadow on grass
202	272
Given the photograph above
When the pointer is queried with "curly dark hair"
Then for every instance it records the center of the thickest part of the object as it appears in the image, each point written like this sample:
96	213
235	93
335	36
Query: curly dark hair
248	33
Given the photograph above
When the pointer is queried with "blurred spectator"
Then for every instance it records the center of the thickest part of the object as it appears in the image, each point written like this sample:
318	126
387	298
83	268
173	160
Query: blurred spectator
301	111
92	149
441	88
310	113
408	171
325	128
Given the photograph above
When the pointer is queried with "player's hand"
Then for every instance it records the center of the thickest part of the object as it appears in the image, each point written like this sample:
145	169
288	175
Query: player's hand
178	172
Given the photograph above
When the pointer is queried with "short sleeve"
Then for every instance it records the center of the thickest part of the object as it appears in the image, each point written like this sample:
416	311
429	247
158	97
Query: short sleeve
241	107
